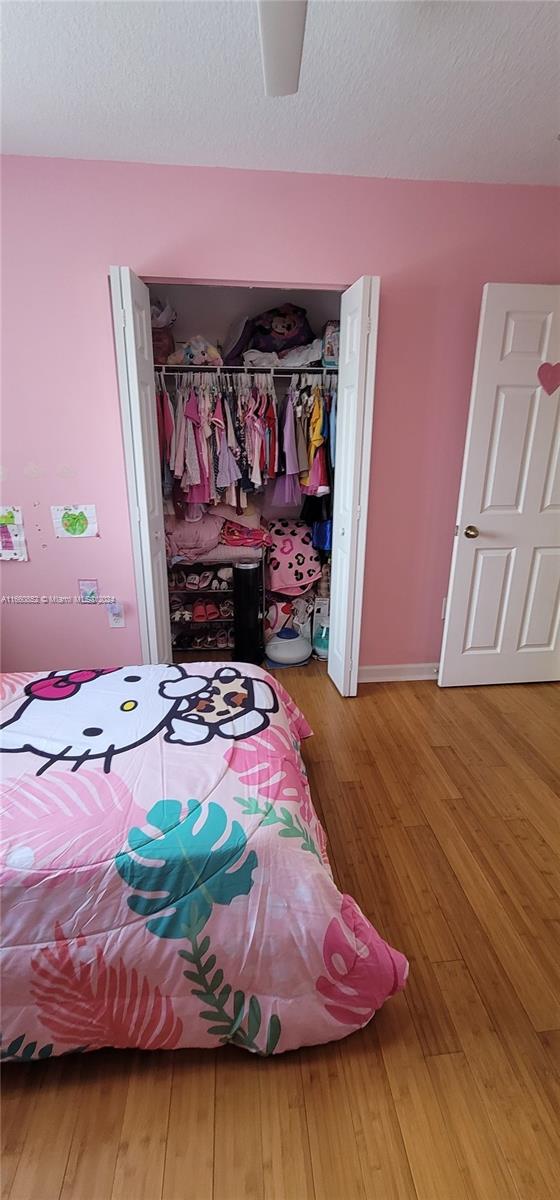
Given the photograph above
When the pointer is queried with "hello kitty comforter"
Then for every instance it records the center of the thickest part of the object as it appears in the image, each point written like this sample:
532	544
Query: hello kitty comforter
165	878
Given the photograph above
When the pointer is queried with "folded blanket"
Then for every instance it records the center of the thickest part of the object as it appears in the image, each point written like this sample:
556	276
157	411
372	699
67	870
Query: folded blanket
187	540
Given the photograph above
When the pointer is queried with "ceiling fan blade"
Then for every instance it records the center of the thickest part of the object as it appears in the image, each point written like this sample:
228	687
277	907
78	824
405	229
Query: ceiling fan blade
281	27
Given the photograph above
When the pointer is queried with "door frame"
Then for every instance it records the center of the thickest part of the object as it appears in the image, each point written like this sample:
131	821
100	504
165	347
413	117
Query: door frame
134	477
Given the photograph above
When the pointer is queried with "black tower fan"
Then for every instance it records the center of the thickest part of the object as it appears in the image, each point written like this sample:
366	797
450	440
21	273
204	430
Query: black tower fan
248	620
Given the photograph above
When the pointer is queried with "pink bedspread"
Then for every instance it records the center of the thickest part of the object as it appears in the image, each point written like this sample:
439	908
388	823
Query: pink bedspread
165	878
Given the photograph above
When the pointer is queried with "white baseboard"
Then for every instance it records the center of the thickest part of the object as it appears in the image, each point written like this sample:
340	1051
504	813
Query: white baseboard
397	671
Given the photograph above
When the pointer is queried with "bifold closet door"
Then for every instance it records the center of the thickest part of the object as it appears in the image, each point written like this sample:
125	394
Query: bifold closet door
135	366
354	421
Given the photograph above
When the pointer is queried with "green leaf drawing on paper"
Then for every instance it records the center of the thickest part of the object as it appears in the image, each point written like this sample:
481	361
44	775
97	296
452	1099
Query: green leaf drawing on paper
239	1022
75	523
182	874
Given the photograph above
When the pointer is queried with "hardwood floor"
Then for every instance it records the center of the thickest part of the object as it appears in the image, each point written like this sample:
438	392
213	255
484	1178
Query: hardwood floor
443	815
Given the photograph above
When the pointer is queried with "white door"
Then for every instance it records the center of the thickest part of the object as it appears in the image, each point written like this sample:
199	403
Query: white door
135	365
503	602
354	419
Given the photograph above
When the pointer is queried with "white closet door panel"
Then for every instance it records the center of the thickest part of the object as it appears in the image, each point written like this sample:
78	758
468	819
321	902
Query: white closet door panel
503	602
131	305
358	343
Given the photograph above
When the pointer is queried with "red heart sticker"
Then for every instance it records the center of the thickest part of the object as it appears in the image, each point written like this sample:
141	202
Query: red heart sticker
549	376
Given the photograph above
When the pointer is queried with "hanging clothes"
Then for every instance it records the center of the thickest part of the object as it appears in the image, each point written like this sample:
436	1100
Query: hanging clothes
287	491
222	437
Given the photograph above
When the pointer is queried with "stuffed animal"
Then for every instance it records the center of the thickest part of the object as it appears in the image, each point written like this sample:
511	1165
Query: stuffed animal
276	330
197	352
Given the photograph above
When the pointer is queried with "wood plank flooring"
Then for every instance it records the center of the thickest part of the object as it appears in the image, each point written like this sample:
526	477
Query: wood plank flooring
443	815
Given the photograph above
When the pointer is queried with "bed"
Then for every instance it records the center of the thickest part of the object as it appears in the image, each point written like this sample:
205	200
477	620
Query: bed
165	878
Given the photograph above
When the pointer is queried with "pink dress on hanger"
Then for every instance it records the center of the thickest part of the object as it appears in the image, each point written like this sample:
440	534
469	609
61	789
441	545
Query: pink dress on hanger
318	480
228	472
179	465
287	492
198	493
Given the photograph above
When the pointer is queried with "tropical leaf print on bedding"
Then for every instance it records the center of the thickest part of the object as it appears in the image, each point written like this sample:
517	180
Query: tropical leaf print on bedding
270	764
25	1051
290	826
232	1018
22	1051
53	820
91	1003
182	869
362	969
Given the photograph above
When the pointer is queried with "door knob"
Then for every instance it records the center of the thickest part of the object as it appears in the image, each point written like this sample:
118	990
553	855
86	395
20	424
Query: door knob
470	531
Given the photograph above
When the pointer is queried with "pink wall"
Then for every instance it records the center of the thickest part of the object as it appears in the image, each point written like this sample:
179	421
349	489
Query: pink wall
434	246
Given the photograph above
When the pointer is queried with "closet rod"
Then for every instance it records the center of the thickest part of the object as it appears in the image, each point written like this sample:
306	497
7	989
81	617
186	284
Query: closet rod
193	370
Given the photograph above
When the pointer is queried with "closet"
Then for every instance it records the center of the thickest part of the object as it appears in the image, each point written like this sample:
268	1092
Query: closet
235	429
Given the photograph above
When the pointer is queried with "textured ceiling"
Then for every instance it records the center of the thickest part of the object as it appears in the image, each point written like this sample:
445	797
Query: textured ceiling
465	91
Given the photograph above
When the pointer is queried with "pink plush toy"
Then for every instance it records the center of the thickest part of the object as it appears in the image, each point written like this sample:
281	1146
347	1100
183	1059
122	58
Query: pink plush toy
198	352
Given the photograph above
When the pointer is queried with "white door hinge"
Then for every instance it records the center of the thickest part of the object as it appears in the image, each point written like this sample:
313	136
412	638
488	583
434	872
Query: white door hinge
443	608
358	512
456	530
123	315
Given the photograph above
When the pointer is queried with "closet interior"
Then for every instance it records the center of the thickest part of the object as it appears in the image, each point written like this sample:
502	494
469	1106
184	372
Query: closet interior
246	404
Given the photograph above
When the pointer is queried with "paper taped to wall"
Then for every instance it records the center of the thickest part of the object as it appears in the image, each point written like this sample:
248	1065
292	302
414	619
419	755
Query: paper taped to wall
12	534
74	520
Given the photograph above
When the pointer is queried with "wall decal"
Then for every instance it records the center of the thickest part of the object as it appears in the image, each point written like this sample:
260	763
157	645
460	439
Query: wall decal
549	376
74	520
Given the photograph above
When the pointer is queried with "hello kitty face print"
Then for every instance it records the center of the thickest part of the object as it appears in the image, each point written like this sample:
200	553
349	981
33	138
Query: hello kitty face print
80	716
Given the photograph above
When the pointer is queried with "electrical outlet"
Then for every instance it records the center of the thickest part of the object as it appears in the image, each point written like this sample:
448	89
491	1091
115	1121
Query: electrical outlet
115	612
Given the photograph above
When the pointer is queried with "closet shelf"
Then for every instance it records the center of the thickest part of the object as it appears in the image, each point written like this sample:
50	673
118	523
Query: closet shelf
205	646
185	591
172	369
202	624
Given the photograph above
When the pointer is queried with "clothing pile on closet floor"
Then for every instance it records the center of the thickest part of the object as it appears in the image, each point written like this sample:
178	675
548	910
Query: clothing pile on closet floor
191	536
